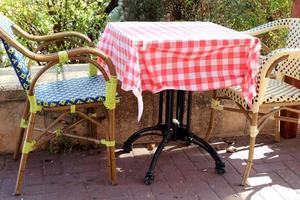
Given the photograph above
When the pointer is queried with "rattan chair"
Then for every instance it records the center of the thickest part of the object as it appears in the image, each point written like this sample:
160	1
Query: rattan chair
273	94
72	96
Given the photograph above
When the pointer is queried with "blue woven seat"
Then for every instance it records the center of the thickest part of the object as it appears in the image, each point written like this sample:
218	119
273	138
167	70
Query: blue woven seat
71	92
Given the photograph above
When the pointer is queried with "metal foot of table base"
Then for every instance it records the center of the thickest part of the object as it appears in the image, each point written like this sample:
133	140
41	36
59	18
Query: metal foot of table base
127	147
172	128
189	138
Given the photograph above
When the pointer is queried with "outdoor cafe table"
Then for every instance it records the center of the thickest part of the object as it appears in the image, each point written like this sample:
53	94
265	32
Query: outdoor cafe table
177	57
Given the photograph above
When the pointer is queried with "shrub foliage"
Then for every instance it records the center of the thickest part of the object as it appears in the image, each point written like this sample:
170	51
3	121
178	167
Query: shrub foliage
41	17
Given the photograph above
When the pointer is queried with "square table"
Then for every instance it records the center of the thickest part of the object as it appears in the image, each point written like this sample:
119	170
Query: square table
179	56
190	56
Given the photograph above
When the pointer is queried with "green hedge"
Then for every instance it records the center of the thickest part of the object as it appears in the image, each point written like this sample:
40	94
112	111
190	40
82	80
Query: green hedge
42	17
236	14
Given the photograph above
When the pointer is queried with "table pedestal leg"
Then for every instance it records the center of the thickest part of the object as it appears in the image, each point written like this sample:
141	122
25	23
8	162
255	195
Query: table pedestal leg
173	129
150	173
220	166
127	147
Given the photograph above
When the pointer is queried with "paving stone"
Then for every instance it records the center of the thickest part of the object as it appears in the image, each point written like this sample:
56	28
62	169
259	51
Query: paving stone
268	167
203	190
282	187
181	173
77	168
170	170
40	189
251	194
64	196
52	166
2	163
287	149
182	162
142	194
7	173
160	187
7	188
177	195
222	188
233	178
95	177
11	164
290	177
33	177
61	179
293	165
275	157
195	154
109	192
269	192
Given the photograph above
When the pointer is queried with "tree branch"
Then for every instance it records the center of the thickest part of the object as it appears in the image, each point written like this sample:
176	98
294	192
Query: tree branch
112	4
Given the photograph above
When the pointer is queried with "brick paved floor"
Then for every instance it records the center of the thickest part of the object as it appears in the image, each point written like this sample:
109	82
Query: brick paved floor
182	173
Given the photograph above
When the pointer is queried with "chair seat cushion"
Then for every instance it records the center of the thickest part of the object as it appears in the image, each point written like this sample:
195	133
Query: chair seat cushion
71	92
276	92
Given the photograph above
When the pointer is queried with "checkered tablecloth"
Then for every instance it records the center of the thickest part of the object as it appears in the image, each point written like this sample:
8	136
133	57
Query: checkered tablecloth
191	56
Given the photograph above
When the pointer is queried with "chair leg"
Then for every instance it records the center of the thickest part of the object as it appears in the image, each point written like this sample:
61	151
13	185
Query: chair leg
22	166
211	124
212	119
277	127
253	134
111	150
92	126
20	133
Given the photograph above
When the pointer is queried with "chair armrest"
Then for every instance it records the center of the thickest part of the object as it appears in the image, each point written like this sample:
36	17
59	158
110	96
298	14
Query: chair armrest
270	62
46	44
73	54
54	36
276	56
271	26
53	58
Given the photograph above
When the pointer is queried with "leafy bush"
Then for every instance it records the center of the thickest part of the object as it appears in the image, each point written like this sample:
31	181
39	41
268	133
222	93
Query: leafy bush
237	14
144	10
41	17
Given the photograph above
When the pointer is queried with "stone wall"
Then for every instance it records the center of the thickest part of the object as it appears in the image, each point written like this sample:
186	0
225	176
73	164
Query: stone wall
12	103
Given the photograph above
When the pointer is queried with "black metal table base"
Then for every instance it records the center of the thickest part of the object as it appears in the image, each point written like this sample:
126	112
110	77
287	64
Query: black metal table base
173	129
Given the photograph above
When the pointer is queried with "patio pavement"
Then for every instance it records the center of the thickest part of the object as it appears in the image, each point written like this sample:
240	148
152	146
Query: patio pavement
182	173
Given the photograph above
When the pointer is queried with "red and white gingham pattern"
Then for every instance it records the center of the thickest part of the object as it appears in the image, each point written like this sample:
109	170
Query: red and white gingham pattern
191	56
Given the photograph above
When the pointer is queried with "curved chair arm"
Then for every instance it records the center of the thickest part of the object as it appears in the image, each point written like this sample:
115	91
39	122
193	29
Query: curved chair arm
271	26
52	36
268	65
276	56
54	57
46	44
52	63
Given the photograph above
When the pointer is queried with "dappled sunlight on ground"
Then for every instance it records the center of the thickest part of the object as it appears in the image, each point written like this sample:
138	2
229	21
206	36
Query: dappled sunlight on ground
182	172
